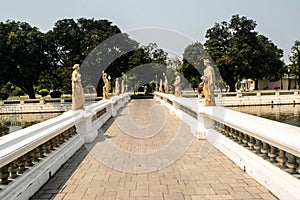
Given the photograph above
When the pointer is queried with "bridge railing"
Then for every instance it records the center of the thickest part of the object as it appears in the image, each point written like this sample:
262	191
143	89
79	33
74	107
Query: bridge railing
29	157
267	150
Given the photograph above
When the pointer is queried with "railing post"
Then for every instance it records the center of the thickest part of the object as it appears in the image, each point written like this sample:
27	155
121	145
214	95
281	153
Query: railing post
204	123
114	104
85	128
4	174
239	94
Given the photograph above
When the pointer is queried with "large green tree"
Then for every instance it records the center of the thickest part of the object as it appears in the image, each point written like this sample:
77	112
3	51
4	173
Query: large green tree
295	59
240	52
69	42
192	63
22	55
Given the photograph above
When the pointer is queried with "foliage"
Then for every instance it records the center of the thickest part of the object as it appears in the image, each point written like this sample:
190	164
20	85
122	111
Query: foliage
22	55
55	94
240	52
295	59
43	92
3	96
17	91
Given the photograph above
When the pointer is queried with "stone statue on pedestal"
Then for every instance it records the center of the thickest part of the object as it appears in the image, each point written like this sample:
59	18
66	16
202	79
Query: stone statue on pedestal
117	87
106	86
77	91
122	87
208	83
177	85
160	86
166	85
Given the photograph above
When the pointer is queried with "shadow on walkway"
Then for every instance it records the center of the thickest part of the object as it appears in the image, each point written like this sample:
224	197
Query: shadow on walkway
57	182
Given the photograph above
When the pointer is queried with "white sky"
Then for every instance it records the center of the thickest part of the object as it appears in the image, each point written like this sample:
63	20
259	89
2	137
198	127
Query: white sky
278	20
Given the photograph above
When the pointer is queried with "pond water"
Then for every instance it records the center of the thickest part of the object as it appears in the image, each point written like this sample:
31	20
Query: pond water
13	122
289	114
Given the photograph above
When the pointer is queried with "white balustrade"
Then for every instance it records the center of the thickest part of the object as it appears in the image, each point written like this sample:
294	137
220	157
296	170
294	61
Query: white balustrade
29	157
267	150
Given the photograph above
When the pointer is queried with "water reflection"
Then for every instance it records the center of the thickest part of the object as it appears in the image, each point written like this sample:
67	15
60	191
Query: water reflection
13	122
289	114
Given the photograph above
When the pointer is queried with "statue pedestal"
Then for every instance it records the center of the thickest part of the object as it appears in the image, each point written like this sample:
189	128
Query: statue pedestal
204	123
84	126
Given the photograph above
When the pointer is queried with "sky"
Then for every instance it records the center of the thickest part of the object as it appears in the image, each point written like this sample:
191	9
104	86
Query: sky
180	22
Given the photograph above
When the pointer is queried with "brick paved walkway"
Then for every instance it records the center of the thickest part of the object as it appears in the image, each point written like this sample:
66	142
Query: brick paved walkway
129	161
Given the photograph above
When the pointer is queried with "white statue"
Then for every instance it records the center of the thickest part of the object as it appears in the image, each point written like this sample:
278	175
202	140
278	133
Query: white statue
208	83
160	86
117	87
122	87
77	91
166	85
177	85
106	86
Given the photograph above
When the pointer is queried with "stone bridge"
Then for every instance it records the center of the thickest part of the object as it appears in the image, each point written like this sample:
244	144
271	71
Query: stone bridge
162	148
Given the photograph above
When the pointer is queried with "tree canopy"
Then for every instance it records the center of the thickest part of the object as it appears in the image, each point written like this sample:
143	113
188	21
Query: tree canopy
23	55
295	59
240	52
30	58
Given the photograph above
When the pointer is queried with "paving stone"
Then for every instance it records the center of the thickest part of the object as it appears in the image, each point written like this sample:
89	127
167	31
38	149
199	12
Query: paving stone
121	165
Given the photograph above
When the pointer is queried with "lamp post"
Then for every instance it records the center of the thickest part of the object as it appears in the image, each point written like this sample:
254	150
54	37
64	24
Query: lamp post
156	84
289	81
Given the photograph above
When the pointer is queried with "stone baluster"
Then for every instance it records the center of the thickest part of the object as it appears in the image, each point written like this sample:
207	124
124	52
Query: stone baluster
66	135
60	139
229	132
54	142
265	150
42	151
257	146
240	137
226	131
281	158
36	155
47	147
13	169
298	168
29	159
234	134
245	140
4	174
223	129
292	164
50	145
273	154
74	132
251	143
22	164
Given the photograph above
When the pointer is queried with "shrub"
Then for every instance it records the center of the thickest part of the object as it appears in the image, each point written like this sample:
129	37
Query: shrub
43	92
199	89
55	94
17	92
3	96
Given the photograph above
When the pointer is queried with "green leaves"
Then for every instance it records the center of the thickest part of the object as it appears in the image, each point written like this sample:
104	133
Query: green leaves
21	54
240	52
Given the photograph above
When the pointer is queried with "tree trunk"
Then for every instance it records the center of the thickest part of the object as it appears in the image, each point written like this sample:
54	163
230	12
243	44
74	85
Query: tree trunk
256	84
99	88
29	91
232	87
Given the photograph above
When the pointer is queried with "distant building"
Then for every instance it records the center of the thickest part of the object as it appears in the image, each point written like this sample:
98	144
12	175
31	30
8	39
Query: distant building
247	85
283	83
